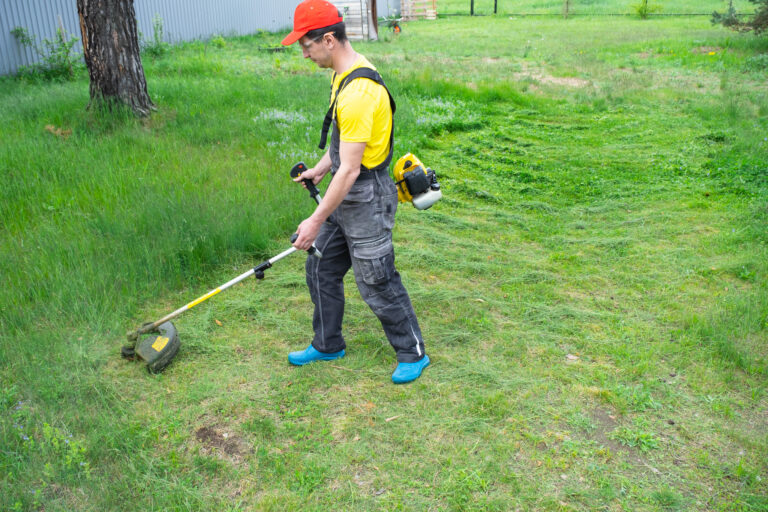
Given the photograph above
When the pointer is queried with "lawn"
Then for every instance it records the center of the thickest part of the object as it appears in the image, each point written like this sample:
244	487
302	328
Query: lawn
592	287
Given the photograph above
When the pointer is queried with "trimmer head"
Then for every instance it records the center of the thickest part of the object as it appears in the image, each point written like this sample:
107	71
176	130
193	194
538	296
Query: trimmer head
158	342
157	348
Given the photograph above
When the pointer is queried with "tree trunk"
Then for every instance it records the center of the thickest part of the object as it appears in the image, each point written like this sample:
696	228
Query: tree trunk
111	51
373	22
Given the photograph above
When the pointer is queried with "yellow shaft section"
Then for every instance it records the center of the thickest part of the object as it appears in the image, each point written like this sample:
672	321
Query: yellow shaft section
203	298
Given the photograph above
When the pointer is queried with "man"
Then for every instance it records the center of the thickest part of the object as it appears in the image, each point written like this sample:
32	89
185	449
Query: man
352	225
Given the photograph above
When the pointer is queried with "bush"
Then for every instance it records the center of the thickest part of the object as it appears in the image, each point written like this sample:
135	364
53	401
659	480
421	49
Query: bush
58	61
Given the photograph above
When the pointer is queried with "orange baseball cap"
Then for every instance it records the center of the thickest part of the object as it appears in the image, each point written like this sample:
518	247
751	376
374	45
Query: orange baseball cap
310	15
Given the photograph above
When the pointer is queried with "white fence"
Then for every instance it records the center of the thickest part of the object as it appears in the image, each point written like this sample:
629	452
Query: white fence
183	20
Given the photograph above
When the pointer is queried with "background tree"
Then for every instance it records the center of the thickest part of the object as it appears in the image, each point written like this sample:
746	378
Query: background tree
728	19
112	55
758	23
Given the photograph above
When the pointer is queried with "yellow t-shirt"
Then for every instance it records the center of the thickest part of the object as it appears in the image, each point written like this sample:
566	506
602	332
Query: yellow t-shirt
364	114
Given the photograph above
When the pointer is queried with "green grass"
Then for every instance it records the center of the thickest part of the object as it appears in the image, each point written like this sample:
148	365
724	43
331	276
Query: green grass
591	288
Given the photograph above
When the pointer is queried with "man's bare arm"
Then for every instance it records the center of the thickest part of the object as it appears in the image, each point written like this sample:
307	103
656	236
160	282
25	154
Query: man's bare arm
351	157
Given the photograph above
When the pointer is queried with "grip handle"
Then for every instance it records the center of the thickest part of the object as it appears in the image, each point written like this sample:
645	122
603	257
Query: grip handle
296	171
314	251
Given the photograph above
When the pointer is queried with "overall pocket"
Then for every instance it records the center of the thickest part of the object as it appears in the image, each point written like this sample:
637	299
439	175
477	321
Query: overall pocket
372	259
357	211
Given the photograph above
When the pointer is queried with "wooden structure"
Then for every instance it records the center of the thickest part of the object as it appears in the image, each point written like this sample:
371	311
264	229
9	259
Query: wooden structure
415	9
360	18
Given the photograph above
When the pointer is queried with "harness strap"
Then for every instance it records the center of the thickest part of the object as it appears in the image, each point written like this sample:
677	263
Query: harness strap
370	74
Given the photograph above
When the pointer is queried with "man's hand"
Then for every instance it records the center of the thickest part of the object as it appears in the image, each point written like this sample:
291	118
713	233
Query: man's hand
307	231
351	154
315	174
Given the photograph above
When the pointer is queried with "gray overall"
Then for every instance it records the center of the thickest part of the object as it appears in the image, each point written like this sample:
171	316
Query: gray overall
358	234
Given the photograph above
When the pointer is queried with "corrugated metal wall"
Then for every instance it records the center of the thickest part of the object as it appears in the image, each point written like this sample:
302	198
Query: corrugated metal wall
39	17
386	7
183	20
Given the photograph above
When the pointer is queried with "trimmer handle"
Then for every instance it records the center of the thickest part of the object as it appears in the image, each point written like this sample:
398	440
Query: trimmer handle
296	171
312	250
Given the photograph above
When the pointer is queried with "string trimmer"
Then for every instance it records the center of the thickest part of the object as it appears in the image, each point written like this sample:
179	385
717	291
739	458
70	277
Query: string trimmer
158	342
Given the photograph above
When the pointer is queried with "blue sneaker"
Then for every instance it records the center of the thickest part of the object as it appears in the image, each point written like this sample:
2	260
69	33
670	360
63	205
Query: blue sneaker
406	372
310	355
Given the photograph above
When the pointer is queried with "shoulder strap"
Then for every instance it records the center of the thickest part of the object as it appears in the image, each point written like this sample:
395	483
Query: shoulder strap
370	74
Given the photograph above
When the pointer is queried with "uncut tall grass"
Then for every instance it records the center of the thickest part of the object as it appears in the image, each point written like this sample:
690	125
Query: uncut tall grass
123	209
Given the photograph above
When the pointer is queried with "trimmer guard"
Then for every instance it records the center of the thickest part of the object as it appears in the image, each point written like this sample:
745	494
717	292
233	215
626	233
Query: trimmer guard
158	349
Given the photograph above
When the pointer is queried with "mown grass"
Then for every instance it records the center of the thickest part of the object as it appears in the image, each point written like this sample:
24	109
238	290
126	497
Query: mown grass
592	288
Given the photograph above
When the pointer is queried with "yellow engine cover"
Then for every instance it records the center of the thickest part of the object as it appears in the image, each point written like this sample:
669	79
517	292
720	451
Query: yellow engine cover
409	162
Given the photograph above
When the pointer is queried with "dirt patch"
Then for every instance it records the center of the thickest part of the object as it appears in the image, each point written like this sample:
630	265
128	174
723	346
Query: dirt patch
605	424
567	81
218	441
556	80
543	78
706	49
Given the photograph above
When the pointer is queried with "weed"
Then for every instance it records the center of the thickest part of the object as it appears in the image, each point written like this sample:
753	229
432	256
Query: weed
62	450
668	498
636	436
58	60
156	46
218	41
8	396
262	427
307	478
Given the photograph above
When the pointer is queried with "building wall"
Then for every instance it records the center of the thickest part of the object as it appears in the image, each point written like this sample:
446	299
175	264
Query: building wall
183	20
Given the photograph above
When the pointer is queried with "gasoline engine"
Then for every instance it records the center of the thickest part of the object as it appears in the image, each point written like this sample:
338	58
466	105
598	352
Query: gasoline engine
416	183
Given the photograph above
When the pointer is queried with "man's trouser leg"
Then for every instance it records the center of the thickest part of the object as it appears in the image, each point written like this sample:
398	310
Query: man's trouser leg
325	279
388	299
366	217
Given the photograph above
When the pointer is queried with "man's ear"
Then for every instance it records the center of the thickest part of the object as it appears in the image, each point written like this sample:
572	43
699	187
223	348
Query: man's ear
329	41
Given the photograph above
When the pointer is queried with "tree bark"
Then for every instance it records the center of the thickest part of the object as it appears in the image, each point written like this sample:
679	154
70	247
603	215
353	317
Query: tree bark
112	55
